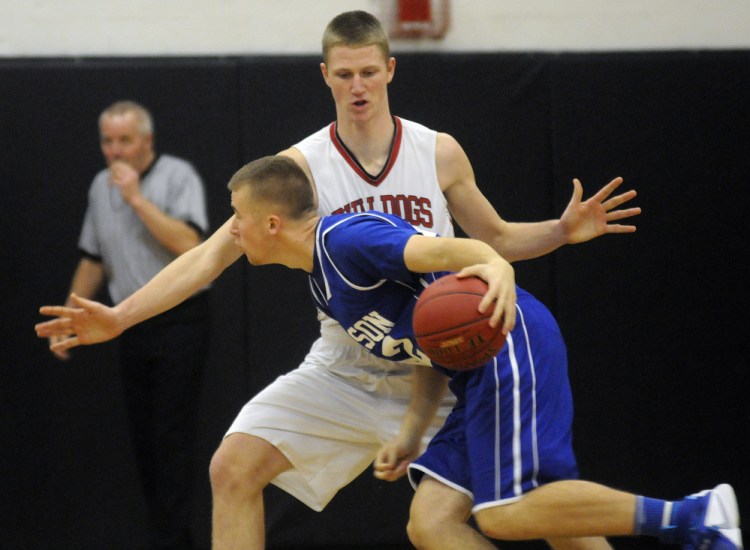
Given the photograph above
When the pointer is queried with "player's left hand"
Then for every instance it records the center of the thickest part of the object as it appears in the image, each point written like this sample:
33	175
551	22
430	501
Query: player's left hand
583	221
501	292
393	458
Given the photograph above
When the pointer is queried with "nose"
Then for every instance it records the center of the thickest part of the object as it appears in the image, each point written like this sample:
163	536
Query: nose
357	85
112	152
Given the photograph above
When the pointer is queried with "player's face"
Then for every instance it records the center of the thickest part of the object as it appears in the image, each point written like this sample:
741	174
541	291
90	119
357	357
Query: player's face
121	140
358	78
248	228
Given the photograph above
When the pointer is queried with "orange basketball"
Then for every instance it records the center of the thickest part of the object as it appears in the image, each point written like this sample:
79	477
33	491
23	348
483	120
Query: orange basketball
449	328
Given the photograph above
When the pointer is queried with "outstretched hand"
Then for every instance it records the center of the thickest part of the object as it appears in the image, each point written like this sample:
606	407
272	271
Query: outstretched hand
583	221
87	323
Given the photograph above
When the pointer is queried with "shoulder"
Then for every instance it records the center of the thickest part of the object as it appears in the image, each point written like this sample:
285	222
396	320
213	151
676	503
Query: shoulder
321	136
448	148
100	182
175	168
172	162
296	155
412	126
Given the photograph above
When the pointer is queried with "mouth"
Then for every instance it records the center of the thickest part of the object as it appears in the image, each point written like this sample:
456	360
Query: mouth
360	103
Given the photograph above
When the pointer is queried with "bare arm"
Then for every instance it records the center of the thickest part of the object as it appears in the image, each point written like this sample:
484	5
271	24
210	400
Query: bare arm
90	322
173	234
88	278
428	389
423	254
580	222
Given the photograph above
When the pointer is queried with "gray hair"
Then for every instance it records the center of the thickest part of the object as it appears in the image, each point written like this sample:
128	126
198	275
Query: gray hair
143	118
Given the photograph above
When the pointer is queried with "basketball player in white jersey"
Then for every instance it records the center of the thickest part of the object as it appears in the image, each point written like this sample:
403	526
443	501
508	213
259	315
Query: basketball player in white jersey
313	431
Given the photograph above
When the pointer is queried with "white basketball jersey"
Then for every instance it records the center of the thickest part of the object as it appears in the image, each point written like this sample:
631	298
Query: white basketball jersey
407	186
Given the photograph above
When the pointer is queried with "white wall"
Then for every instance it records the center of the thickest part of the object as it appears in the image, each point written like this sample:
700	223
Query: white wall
219	27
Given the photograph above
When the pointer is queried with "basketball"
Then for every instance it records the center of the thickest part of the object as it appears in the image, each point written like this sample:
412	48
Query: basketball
449	328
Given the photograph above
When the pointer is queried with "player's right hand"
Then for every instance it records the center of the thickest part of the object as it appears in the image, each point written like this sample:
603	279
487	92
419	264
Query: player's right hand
393	458
62	355
88	323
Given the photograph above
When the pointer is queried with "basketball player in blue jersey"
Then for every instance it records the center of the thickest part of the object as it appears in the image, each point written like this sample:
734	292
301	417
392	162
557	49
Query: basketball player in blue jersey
367	159
506	445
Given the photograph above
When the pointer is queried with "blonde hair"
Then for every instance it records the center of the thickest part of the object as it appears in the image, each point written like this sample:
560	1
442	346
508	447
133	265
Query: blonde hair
279	180
355	29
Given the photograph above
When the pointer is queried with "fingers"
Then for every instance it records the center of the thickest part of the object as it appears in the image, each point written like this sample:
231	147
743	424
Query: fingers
63	354
620	214
60	348
389	465
618	228
55	328
616	201
58	311
391	474
577	190
504	313
607	190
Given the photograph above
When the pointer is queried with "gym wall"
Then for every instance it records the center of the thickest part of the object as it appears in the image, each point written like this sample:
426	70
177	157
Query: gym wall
655	321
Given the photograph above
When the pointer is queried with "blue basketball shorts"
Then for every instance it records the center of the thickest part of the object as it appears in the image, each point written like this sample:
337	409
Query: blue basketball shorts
511	428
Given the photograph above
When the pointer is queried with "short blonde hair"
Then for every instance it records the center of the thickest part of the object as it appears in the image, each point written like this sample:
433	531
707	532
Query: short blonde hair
355	29
278	180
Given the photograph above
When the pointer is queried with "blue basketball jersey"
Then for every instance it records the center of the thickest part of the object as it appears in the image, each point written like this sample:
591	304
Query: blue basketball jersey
511	428
359	278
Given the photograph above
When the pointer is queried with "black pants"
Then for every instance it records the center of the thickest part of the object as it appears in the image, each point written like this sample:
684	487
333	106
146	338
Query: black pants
163	361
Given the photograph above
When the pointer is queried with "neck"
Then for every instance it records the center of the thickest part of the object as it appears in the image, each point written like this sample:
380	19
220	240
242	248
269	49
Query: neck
369	138
146	164
300	245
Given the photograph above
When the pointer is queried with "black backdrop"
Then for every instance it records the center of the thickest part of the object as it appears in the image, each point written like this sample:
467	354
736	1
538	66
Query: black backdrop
656	322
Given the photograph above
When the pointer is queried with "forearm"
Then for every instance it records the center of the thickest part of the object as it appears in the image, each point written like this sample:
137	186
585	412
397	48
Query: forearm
88	278
428	389
424	254
179	280
524	241
173	234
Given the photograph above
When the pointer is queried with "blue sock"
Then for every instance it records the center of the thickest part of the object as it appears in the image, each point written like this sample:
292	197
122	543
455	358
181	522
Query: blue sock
670	522
655	518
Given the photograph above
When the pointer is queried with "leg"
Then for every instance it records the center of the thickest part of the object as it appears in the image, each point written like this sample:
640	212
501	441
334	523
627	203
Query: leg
563	509
240	469
163	362
438	519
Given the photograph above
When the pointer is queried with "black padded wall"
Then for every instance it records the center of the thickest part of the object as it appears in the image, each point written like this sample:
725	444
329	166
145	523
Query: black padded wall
655	322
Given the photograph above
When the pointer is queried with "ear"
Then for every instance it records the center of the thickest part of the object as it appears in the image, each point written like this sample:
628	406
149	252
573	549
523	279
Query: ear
273	223
324	72
391	68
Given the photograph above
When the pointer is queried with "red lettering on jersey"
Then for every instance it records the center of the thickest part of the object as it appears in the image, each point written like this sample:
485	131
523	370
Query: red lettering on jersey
415	210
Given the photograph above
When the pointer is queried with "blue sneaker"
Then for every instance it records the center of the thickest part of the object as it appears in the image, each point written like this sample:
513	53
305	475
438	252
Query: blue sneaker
715	521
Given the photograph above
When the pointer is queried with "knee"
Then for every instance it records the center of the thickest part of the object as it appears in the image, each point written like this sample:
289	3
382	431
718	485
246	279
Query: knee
494	523
245	465
427	527
232	473
418	532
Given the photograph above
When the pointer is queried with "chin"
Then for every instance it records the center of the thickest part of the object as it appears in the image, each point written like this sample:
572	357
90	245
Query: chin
254	261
